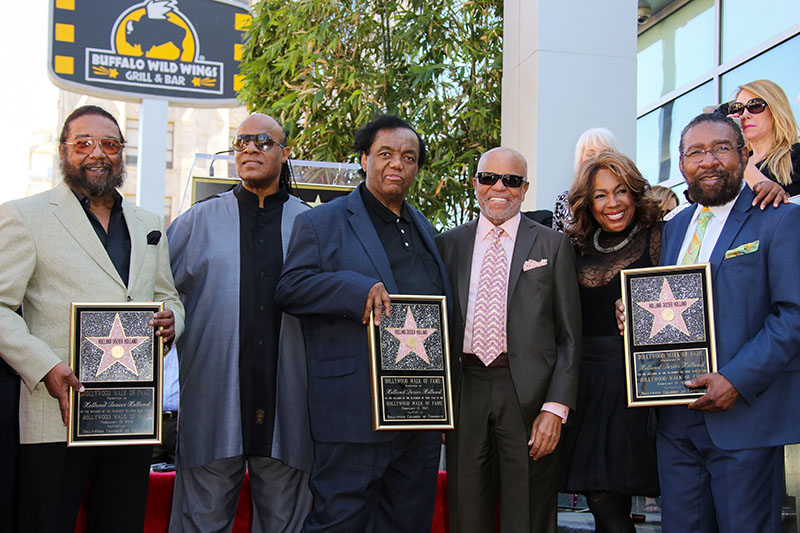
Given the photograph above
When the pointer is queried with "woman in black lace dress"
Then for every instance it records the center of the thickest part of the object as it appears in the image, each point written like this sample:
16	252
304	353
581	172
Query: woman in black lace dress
609	449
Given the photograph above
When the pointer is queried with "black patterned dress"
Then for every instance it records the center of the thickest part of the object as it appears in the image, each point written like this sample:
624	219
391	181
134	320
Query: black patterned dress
609	447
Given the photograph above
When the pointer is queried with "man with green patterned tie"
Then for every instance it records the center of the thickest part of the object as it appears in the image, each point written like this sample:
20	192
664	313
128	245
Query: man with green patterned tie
721	460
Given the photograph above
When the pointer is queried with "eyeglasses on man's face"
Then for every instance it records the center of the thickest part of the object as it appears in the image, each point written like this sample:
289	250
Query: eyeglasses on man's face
509	180
721	152
262	141
85	145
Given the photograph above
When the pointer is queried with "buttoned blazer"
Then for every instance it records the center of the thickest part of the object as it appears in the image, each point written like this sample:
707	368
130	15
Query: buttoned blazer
757	318
543	313
335	257
51	256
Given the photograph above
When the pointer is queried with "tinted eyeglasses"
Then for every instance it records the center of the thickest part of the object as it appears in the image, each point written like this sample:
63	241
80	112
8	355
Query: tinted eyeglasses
85	145
511	181
262	141
754	105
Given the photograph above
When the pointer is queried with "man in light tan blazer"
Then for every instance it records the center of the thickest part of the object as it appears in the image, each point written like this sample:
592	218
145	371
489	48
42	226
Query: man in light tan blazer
78	242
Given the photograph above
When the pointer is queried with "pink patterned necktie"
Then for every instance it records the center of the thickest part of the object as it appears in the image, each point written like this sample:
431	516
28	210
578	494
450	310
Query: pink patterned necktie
490	303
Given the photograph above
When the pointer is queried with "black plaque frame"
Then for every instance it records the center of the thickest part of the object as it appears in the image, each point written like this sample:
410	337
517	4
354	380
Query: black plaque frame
405	394
669	338
122	401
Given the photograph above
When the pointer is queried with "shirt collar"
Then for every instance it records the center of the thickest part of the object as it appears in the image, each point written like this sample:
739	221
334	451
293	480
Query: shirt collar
87	204
720	212
383	212
510	227
249	198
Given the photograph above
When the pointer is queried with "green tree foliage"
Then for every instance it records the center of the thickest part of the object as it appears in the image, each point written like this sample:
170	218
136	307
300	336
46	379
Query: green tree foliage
325	67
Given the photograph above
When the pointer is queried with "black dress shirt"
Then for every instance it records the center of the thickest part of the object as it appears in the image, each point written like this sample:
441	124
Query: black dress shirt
261	260
117	241
413	266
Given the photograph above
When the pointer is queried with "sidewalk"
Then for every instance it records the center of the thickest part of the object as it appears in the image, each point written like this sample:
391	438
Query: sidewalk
582	521
574	516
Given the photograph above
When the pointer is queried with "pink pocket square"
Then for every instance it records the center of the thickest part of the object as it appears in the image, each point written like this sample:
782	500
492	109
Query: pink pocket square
533	263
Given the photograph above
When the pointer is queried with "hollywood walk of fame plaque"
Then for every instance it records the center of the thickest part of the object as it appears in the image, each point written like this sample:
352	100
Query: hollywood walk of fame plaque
118	358
669	332
410	365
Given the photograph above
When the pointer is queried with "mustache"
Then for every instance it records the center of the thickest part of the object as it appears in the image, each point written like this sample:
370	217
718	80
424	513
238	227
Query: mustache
102	164
714	173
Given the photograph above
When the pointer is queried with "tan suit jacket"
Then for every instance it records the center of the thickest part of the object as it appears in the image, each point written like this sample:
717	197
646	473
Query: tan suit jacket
51	256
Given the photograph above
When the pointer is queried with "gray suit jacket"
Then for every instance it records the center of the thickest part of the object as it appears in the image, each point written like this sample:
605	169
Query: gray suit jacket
543	310
51	256
204	246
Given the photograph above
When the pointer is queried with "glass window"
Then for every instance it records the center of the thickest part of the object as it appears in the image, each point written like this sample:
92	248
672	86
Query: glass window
675	51
167	210
132	141
780	64
170	142
658	133
746	24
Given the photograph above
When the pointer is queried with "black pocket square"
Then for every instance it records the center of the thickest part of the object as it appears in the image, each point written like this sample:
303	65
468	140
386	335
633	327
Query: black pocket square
153	237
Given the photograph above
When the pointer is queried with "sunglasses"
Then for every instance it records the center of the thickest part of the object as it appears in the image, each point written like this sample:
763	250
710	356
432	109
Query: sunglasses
85	145
511	181
754	105
262	141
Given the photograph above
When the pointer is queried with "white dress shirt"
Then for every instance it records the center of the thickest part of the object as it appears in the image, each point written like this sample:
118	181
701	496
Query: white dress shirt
713	229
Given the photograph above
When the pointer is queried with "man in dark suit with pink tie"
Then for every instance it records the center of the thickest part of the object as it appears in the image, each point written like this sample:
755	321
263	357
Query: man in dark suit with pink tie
515	340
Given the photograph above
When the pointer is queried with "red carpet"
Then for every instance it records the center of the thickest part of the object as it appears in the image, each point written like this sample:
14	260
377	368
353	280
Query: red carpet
159	503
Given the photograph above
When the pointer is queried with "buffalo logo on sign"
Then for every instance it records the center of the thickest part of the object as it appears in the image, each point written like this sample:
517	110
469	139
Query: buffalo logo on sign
185	50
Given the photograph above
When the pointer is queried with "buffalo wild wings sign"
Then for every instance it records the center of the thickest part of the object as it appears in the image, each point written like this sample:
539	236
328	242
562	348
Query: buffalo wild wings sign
182	50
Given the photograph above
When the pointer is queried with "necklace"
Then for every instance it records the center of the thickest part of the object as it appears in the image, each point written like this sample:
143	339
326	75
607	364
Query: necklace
617	247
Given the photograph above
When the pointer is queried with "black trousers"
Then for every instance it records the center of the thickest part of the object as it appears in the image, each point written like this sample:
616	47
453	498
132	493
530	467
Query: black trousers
54	478
383	487
9	445
165	452
488	456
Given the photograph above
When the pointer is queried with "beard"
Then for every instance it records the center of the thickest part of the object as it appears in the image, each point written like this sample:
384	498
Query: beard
77	177
720	195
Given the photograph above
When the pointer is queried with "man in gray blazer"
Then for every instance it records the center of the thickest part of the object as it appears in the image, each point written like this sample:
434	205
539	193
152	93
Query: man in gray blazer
78	242
242	362
515	335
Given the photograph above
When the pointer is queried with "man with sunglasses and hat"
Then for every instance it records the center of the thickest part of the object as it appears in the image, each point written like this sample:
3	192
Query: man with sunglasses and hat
79	242
242	362
515	339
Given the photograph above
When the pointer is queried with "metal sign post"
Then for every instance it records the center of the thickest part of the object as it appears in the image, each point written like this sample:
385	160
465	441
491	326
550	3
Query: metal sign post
151	166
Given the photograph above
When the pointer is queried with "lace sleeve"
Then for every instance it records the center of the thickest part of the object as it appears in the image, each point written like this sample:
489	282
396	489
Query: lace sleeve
655	241
561	215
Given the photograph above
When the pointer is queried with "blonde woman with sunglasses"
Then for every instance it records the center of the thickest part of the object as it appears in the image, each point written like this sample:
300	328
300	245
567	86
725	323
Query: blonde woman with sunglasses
771	133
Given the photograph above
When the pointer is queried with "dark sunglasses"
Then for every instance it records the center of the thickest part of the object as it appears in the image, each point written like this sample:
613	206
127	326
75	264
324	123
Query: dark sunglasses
754	105
262	141
511	181
85	145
